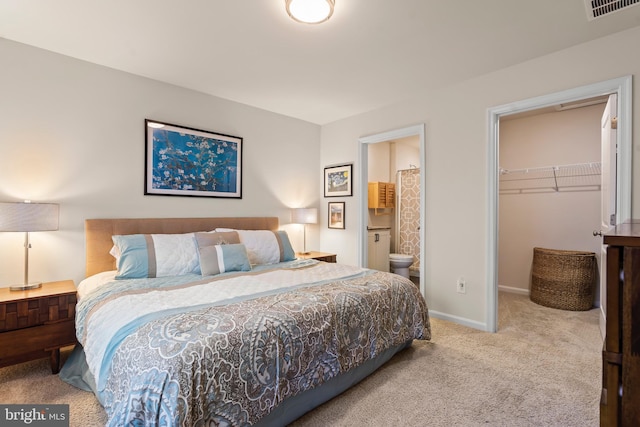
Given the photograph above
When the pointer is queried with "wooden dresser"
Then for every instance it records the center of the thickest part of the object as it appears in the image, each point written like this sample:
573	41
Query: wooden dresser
620	401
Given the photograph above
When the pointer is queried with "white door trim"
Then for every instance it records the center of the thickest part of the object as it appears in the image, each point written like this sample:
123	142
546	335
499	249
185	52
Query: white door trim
363	161
623	88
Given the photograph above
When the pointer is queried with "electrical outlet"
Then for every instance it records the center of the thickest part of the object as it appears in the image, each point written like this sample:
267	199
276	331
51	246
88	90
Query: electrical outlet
461	286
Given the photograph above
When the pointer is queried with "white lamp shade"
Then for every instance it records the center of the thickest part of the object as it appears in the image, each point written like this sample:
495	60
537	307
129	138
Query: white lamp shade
304	216
29	216
310	11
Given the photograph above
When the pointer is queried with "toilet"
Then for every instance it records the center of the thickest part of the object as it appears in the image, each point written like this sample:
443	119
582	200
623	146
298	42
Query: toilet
400	264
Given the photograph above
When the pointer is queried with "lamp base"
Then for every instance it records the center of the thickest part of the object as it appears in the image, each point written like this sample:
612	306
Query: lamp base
26	287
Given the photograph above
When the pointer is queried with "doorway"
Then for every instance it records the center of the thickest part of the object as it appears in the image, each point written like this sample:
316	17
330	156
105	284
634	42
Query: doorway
550	192
363	157
621	87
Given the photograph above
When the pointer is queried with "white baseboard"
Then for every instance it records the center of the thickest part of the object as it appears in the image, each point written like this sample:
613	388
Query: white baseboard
459	320
519	291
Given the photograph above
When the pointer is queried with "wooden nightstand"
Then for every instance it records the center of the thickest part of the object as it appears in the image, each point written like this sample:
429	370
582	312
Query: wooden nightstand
320	256
34	324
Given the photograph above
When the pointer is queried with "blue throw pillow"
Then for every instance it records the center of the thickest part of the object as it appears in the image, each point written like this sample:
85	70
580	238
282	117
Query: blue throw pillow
218	259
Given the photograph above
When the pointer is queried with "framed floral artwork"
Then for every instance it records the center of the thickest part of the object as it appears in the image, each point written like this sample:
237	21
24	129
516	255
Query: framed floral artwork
337	181
336	215
182	161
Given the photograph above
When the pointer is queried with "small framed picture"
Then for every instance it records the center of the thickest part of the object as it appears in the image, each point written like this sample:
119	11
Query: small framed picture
337	181
181	161
336	215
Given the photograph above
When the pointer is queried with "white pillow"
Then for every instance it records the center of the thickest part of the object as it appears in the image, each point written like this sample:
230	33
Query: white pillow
115	252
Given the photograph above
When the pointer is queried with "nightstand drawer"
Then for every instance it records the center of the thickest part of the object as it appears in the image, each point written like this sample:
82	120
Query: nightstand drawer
34	312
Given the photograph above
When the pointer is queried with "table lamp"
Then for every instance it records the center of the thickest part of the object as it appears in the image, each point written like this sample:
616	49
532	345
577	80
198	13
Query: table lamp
304	216
28	217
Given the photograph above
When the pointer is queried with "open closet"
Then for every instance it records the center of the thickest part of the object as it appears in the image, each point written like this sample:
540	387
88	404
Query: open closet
550	195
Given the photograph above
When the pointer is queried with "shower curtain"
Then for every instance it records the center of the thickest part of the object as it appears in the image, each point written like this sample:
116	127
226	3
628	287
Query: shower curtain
408	215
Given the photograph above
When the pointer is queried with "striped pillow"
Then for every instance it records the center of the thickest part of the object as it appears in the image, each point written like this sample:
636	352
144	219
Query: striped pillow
265	246
218	259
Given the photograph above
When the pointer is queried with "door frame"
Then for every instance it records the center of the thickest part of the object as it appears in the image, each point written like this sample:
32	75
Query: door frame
623	88
363	181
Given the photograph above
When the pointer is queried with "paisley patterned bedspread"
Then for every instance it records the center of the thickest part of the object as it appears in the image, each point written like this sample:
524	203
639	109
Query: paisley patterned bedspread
227	350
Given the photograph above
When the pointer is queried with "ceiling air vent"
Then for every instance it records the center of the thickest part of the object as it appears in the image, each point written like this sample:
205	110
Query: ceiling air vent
599	8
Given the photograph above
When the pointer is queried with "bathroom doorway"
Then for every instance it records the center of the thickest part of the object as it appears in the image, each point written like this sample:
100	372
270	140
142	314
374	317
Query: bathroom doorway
382	157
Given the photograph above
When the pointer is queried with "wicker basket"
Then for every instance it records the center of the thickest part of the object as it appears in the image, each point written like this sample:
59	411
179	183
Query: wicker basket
563	279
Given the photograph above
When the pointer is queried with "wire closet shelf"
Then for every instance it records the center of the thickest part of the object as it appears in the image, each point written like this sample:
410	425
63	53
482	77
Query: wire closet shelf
574	177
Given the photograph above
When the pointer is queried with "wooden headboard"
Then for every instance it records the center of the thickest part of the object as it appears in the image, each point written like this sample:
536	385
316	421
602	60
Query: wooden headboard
98	233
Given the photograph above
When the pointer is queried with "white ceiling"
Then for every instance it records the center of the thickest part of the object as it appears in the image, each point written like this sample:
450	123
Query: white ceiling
371	53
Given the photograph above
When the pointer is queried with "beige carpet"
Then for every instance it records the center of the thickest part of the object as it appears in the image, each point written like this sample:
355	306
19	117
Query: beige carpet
542	368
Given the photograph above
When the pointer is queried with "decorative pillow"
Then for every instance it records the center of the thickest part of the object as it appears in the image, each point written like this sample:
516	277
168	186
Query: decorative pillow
156	255
265	246
216	259
216	238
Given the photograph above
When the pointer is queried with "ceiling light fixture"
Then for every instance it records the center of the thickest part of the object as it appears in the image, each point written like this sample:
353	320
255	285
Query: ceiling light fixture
310	11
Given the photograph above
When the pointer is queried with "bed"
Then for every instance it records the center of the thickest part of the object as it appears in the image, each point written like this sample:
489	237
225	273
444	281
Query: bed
241	333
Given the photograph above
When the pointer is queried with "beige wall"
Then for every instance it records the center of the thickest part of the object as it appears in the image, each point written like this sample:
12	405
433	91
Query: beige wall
456	161
556	220
73	133
380	162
